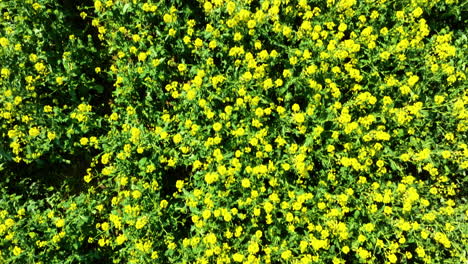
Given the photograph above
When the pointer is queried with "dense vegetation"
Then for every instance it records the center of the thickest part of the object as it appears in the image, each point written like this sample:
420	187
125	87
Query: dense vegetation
279	131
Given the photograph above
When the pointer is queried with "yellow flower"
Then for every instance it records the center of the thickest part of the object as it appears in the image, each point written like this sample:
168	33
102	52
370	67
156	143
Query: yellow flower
182	67
9	222
51	135
47	108
150	168
251	23
105	226
423	154
369	227
362	238
142	56
39	67
237	257
413	80
177	138
449	136
163	204
141	222
345	4
87	178
168	18
206	214
4	42
417	13
36	6
136	194
217	126
227	216
380	163
105	158
212	44
253	247
98	5
296	107
5	72
208	7
32	57
363	253
445	154
198	43
345	249
210	238
237	36
285	166
286	254
107	170
268	207
34	131
102	242
114	116
131	111
84	141
299	117
60	223
405	89
438	99
120	239
149	7
392	258
385	55
180	184
17	251
172	32
420	251
211	177
443	239
245	183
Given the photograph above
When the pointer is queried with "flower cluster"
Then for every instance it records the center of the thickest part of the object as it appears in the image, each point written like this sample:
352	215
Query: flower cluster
225	131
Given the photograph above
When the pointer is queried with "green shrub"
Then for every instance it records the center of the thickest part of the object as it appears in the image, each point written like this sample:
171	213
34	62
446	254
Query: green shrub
234	132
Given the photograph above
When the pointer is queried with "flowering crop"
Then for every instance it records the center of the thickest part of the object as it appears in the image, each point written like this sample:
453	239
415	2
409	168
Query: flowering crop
238	131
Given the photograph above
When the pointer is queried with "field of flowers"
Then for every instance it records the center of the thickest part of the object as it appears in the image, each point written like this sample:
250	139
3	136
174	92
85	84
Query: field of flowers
238	131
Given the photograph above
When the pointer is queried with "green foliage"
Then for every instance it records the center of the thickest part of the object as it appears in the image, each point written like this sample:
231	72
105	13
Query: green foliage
233	131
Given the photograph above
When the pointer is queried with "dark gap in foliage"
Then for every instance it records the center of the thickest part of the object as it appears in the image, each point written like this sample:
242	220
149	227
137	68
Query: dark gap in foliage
320	4
181	228
93	253
419	174
314	178
441	18
195	12
171	176
299	98
77	23
34	180
100	91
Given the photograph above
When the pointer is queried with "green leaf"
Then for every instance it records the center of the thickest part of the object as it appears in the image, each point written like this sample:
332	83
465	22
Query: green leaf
99	88
127	7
